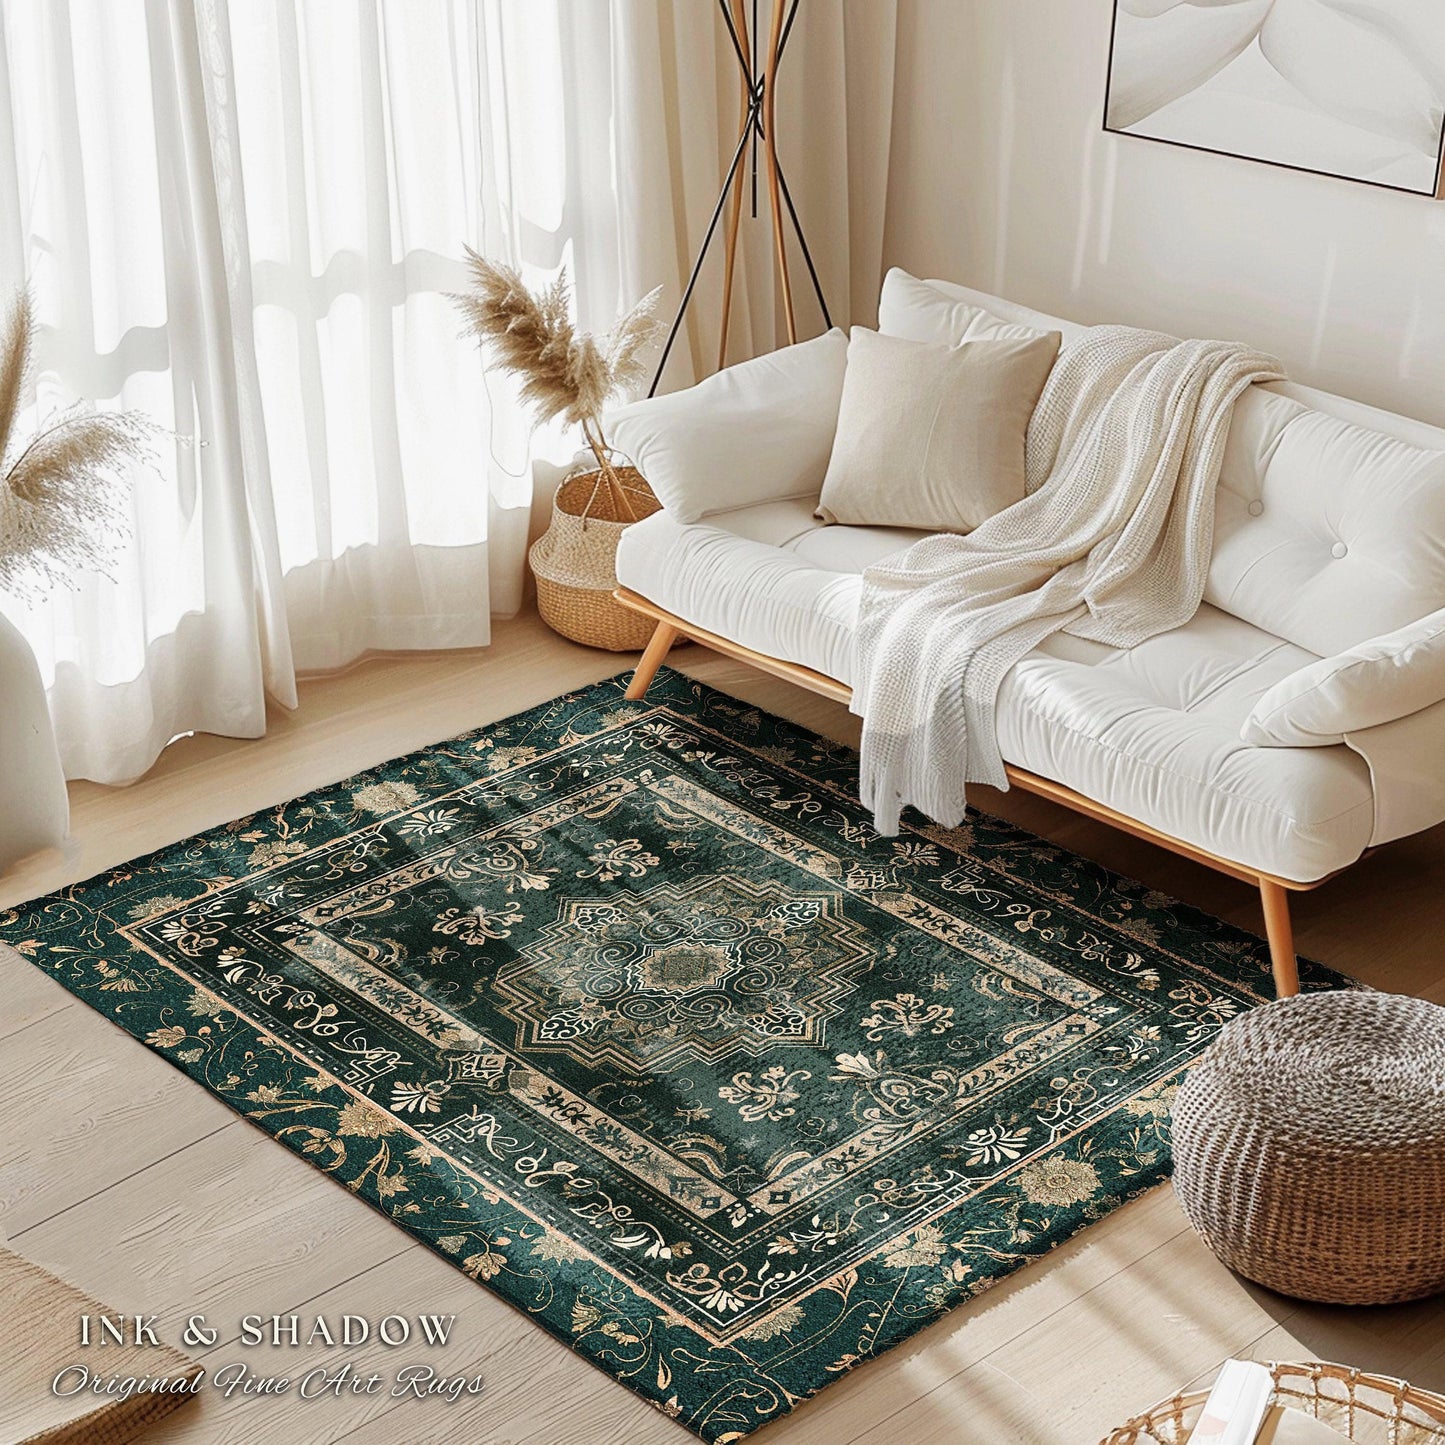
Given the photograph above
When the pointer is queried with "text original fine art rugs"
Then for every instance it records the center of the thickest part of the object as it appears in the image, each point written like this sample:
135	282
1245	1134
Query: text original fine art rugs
624	1008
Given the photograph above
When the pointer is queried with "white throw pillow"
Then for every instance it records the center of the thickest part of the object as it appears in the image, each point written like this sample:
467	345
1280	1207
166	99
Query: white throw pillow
1386	678
760	431
931	436
920	311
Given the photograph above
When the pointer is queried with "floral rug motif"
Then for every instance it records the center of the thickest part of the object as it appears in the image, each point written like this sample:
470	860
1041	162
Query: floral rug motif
625	1009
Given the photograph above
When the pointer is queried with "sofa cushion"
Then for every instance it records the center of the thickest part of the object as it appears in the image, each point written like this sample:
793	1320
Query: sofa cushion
1326	532
772	578
1388	677
932	436
757	431
1152	732
943	313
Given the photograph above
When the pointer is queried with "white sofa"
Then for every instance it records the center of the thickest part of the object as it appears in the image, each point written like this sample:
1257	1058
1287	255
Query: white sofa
1328	533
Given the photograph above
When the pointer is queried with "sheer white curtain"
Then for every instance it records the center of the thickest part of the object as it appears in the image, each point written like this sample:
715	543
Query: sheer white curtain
244	219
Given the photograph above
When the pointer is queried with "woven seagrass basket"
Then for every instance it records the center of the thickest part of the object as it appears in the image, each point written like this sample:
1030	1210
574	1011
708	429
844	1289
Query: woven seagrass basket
1368	1409
575	559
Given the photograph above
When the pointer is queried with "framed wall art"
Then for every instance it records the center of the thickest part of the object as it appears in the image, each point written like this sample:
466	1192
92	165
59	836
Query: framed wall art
1348	88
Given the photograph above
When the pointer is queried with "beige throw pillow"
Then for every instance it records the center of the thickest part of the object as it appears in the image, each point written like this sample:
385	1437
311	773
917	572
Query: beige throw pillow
932	436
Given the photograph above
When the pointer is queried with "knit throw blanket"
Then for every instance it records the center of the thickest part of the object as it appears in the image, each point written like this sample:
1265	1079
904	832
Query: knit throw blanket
1111	543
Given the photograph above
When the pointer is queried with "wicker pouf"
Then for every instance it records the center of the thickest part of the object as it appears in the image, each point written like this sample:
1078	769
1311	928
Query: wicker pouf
1309	1147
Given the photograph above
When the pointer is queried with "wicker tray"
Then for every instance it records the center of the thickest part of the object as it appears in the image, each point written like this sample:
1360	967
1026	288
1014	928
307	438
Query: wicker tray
1369	1409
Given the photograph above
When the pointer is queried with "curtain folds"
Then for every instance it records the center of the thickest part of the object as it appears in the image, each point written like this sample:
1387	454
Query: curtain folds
245	219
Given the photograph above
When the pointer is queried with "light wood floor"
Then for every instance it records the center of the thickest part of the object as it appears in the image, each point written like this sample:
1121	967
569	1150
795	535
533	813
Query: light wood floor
122	1175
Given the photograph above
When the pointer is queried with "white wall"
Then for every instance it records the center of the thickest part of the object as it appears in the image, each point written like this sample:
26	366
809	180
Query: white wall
1002	178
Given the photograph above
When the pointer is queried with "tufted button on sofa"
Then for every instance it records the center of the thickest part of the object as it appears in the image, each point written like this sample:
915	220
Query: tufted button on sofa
1329	532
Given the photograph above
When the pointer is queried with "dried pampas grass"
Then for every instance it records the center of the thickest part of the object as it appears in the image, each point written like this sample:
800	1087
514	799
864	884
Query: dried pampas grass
15	346
564	373
62	495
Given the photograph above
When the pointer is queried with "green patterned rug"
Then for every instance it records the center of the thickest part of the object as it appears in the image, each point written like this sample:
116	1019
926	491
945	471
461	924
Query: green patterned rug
626	1010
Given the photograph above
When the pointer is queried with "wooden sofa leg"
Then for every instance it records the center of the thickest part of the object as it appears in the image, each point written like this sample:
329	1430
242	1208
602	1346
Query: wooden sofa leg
657	648
1281	938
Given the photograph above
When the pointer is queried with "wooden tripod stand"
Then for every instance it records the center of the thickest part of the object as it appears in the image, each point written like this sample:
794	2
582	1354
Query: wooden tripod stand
757	125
